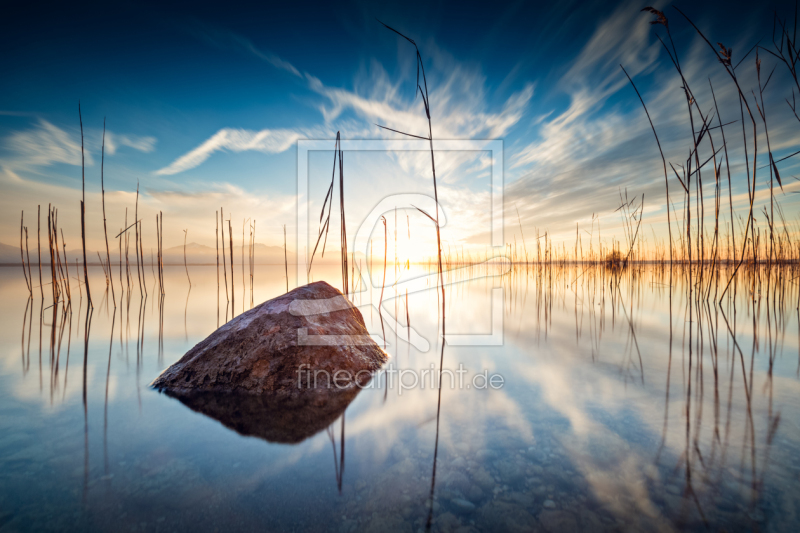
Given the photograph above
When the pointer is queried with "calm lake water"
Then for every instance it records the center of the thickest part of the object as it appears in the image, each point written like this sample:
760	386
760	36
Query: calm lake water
625	405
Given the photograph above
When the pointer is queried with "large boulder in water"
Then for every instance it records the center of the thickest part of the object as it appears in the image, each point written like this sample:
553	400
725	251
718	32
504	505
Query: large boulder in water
309	338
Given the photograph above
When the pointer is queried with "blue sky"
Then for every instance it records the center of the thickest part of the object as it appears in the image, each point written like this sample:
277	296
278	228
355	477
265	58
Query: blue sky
204	105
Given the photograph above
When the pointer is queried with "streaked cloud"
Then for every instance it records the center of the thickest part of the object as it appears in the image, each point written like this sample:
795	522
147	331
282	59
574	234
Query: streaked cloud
142	144
46	144
461	106
234	140
9	176
228	40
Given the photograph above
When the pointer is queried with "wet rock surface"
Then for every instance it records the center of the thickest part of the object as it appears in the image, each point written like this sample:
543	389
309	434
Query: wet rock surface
310	338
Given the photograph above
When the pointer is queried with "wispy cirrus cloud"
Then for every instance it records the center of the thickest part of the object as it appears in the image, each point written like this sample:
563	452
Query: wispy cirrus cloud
461	106
234	140
623	38
46	144
228	40
460	102
142	144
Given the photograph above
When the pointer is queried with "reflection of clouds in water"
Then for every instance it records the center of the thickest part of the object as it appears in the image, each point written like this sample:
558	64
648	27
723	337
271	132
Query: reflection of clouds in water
382	426
570	416
615	472
579	389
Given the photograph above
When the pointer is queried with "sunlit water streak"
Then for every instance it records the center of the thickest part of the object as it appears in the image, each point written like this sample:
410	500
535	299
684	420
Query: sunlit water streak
626	405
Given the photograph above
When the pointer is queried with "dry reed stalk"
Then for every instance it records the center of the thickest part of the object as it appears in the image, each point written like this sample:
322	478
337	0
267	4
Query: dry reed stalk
66	268
216	242
230	239
83	213
128	269
337	155
158	251
660	151
28	255
285	259
59	265
429	138
124	236
243	278
136	238
121	286
103	198
524	246
224	266
161	246
440	279
102	265
727	164
408	319
22	253
39	245
724	57
383	283
127	253
158	257
762	110
185	233
662	19
371	270
141	254
343	227
54	284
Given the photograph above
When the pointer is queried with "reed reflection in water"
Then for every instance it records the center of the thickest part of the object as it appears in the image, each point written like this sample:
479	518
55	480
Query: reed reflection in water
631	401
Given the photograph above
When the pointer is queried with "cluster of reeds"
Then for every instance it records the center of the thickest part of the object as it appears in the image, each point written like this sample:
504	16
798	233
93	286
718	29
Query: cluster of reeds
59	270
60	278
338	158
778	245
160	248
229	294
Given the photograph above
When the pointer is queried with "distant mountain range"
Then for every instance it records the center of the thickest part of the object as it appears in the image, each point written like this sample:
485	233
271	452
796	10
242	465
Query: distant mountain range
196	254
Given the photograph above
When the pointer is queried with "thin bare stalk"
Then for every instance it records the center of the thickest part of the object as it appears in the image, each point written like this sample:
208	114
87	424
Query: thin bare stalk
285	259
83	212
661	152
224	266
136	238
185	233
39	245
383	283
230	237
22	253
103	197
216	242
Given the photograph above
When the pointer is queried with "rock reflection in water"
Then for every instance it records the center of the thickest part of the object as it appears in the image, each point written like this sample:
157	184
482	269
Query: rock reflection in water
274	418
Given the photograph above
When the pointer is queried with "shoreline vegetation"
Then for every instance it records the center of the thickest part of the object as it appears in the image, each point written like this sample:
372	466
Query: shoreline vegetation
714	237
